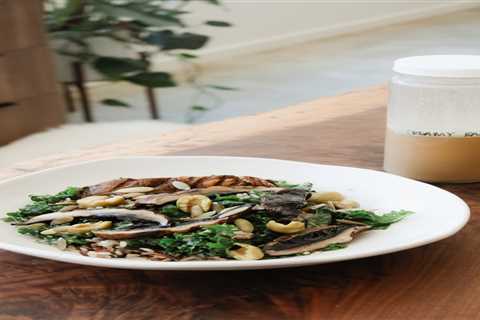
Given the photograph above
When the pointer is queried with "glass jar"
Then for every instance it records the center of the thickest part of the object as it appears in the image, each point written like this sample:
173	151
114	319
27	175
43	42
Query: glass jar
433	119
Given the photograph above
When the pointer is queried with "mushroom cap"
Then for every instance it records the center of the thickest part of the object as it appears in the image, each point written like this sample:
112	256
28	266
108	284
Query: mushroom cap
222	217
117	213
313	239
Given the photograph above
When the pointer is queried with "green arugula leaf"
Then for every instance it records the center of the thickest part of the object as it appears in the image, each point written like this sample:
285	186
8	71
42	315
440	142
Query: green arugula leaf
322	216
372	219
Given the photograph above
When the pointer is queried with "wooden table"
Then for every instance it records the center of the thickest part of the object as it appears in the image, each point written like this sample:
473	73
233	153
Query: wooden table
437	281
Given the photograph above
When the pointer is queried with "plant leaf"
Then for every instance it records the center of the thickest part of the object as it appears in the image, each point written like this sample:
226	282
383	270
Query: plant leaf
135	12
224	88
199	108
62	15
321	217
216	23
187	56
118	68
115	103
168	40
152	79
372	219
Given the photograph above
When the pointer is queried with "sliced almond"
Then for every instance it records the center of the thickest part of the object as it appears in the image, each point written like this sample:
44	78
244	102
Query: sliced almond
180	185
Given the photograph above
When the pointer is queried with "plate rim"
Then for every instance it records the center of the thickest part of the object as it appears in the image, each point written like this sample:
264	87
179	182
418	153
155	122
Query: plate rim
288	262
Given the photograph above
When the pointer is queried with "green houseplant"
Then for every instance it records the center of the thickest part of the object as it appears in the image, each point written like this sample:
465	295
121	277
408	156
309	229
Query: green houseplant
144	28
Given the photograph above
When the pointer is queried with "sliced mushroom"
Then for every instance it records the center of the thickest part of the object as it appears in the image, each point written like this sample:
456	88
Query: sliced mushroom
164	198
132	195
312	239
233	212
69	208
229	213
286	202
155	231
166	185
118	213
222	217
134	190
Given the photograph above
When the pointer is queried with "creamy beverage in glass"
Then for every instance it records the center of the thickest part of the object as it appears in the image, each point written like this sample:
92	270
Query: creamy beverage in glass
433	122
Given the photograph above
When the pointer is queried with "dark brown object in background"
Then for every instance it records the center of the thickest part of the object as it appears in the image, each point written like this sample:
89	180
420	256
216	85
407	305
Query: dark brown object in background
79	81
437	281
27	79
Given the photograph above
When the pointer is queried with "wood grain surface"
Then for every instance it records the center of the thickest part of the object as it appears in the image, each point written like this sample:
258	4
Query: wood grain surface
29	94
437	281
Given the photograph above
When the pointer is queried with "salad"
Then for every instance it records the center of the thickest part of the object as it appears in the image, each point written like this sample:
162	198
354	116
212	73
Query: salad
216	217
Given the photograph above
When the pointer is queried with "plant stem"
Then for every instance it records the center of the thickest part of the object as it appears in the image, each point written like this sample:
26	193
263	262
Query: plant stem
152	100
79	79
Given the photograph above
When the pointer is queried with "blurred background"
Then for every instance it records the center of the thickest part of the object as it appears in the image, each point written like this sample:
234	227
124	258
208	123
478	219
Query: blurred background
80	73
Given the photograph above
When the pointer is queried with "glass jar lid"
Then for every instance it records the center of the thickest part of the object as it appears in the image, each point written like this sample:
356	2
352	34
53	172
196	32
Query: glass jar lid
447	66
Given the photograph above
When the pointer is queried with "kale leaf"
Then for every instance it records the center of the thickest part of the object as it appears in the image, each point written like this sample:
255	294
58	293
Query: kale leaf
209	241
261	234
172	211
76	239
69	193
41	204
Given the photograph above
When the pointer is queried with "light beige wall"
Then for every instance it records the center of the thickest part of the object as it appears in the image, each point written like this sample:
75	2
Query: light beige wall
266	24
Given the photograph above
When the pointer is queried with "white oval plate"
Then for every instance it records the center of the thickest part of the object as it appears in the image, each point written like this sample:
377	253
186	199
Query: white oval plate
438	213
